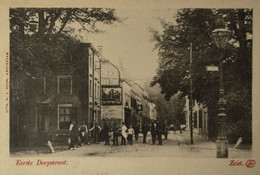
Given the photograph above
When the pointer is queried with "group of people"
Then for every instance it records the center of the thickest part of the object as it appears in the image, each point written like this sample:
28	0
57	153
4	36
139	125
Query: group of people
126	134
81	135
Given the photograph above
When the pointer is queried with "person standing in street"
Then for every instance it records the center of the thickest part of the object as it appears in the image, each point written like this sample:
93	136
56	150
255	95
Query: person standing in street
165	130
115	135
144	131
83	133
159	130
106	133
97	130
181	127
136	129
73	135
124	134
130	135
153	131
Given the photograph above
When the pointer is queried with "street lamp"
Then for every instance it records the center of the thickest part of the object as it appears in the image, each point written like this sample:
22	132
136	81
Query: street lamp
220	37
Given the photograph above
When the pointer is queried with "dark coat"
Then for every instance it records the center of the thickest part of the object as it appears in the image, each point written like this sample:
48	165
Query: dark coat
154	128
145	129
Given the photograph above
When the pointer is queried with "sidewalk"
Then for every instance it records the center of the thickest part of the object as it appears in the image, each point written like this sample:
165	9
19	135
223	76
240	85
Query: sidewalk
207	148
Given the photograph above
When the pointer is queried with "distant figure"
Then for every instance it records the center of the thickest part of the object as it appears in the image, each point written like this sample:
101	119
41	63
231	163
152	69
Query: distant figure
130	135
73	135
124	134
115	135
153	131
159	131
165	131
136	129
181	128
174	128
83	133
96	128
144	131
106	134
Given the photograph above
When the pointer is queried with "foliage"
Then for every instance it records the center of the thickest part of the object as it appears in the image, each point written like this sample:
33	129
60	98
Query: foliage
42	37
42	41
59	20
194	26
170	111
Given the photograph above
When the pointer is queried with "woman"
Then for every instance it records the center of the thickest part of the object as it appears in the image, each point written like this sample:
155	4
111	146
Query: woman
124	134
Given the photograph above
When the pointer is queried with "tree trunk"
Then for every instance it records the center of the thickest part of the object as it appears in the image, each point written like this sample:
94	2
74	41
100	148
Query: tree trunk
41	21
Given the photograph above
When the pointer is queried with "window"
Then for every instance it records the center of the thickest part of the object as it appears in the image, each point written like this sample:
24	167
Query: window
64	84
64	116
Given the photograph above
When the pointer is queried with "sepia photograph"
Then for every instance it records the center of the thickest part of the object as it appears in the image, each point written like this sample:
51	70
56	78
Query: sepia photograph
112	84
198	96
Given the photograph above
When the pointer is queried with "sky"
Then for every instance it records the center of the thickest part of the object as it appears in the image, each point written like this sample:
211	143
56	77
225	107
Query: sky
131	42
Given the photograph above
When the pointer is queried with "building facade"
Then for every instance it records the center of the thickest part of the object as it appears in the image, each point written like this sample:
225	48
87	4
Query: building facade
112	101
54	99
200	118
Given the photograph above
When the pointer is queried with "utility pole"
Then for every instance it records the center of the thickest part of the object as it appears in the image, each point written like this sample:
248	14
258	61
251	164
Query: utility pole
190	100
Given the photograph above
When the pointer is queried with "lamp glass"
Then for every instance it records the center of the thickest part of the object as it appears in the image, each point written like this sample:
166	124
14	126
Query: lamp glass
220	37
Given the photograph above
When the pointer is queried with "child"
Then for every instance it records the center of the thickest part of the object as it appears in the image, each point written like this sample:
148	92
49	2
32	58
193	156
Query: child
130	135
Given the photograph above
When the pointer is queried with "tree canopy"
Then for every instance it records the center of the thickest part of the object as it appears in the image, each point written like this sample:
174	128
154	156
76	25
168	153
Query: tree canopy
59	20
195	26
42	37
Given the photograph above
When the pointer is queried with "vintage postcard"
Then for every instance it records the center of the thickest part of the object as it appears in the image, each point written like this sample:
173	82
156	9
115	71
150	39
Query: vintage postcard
129	87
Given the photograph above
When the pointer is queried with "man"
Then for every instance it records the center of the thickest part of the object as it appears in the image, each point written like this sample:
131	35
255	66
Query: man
136	130
144	131
165	130
115	135
124	134
106	133
159	130
97	130
83	133
153	131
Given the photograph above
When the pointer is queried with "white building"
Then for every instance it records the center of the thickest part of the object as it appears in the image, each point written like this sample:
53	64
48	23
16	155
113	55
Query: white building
199	118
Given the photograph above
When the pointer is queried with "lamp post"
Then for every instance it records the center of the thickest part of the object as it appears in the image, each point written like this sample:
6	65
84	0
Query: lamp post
220	37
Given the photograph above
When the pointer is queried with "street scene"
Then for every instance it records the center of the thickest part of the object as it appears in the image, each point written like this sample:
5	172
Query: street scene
176	145
104	82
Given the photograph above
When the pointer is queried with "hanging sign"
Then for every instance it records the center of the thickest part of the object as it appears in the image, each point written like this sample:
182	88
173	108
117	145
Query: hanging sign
110	75
212	68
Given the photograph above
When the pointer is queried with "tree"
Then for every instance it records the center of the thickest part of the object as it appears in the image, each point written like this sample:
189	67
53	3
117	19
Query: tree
40	37
42	40
170	111
58	20
194	26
